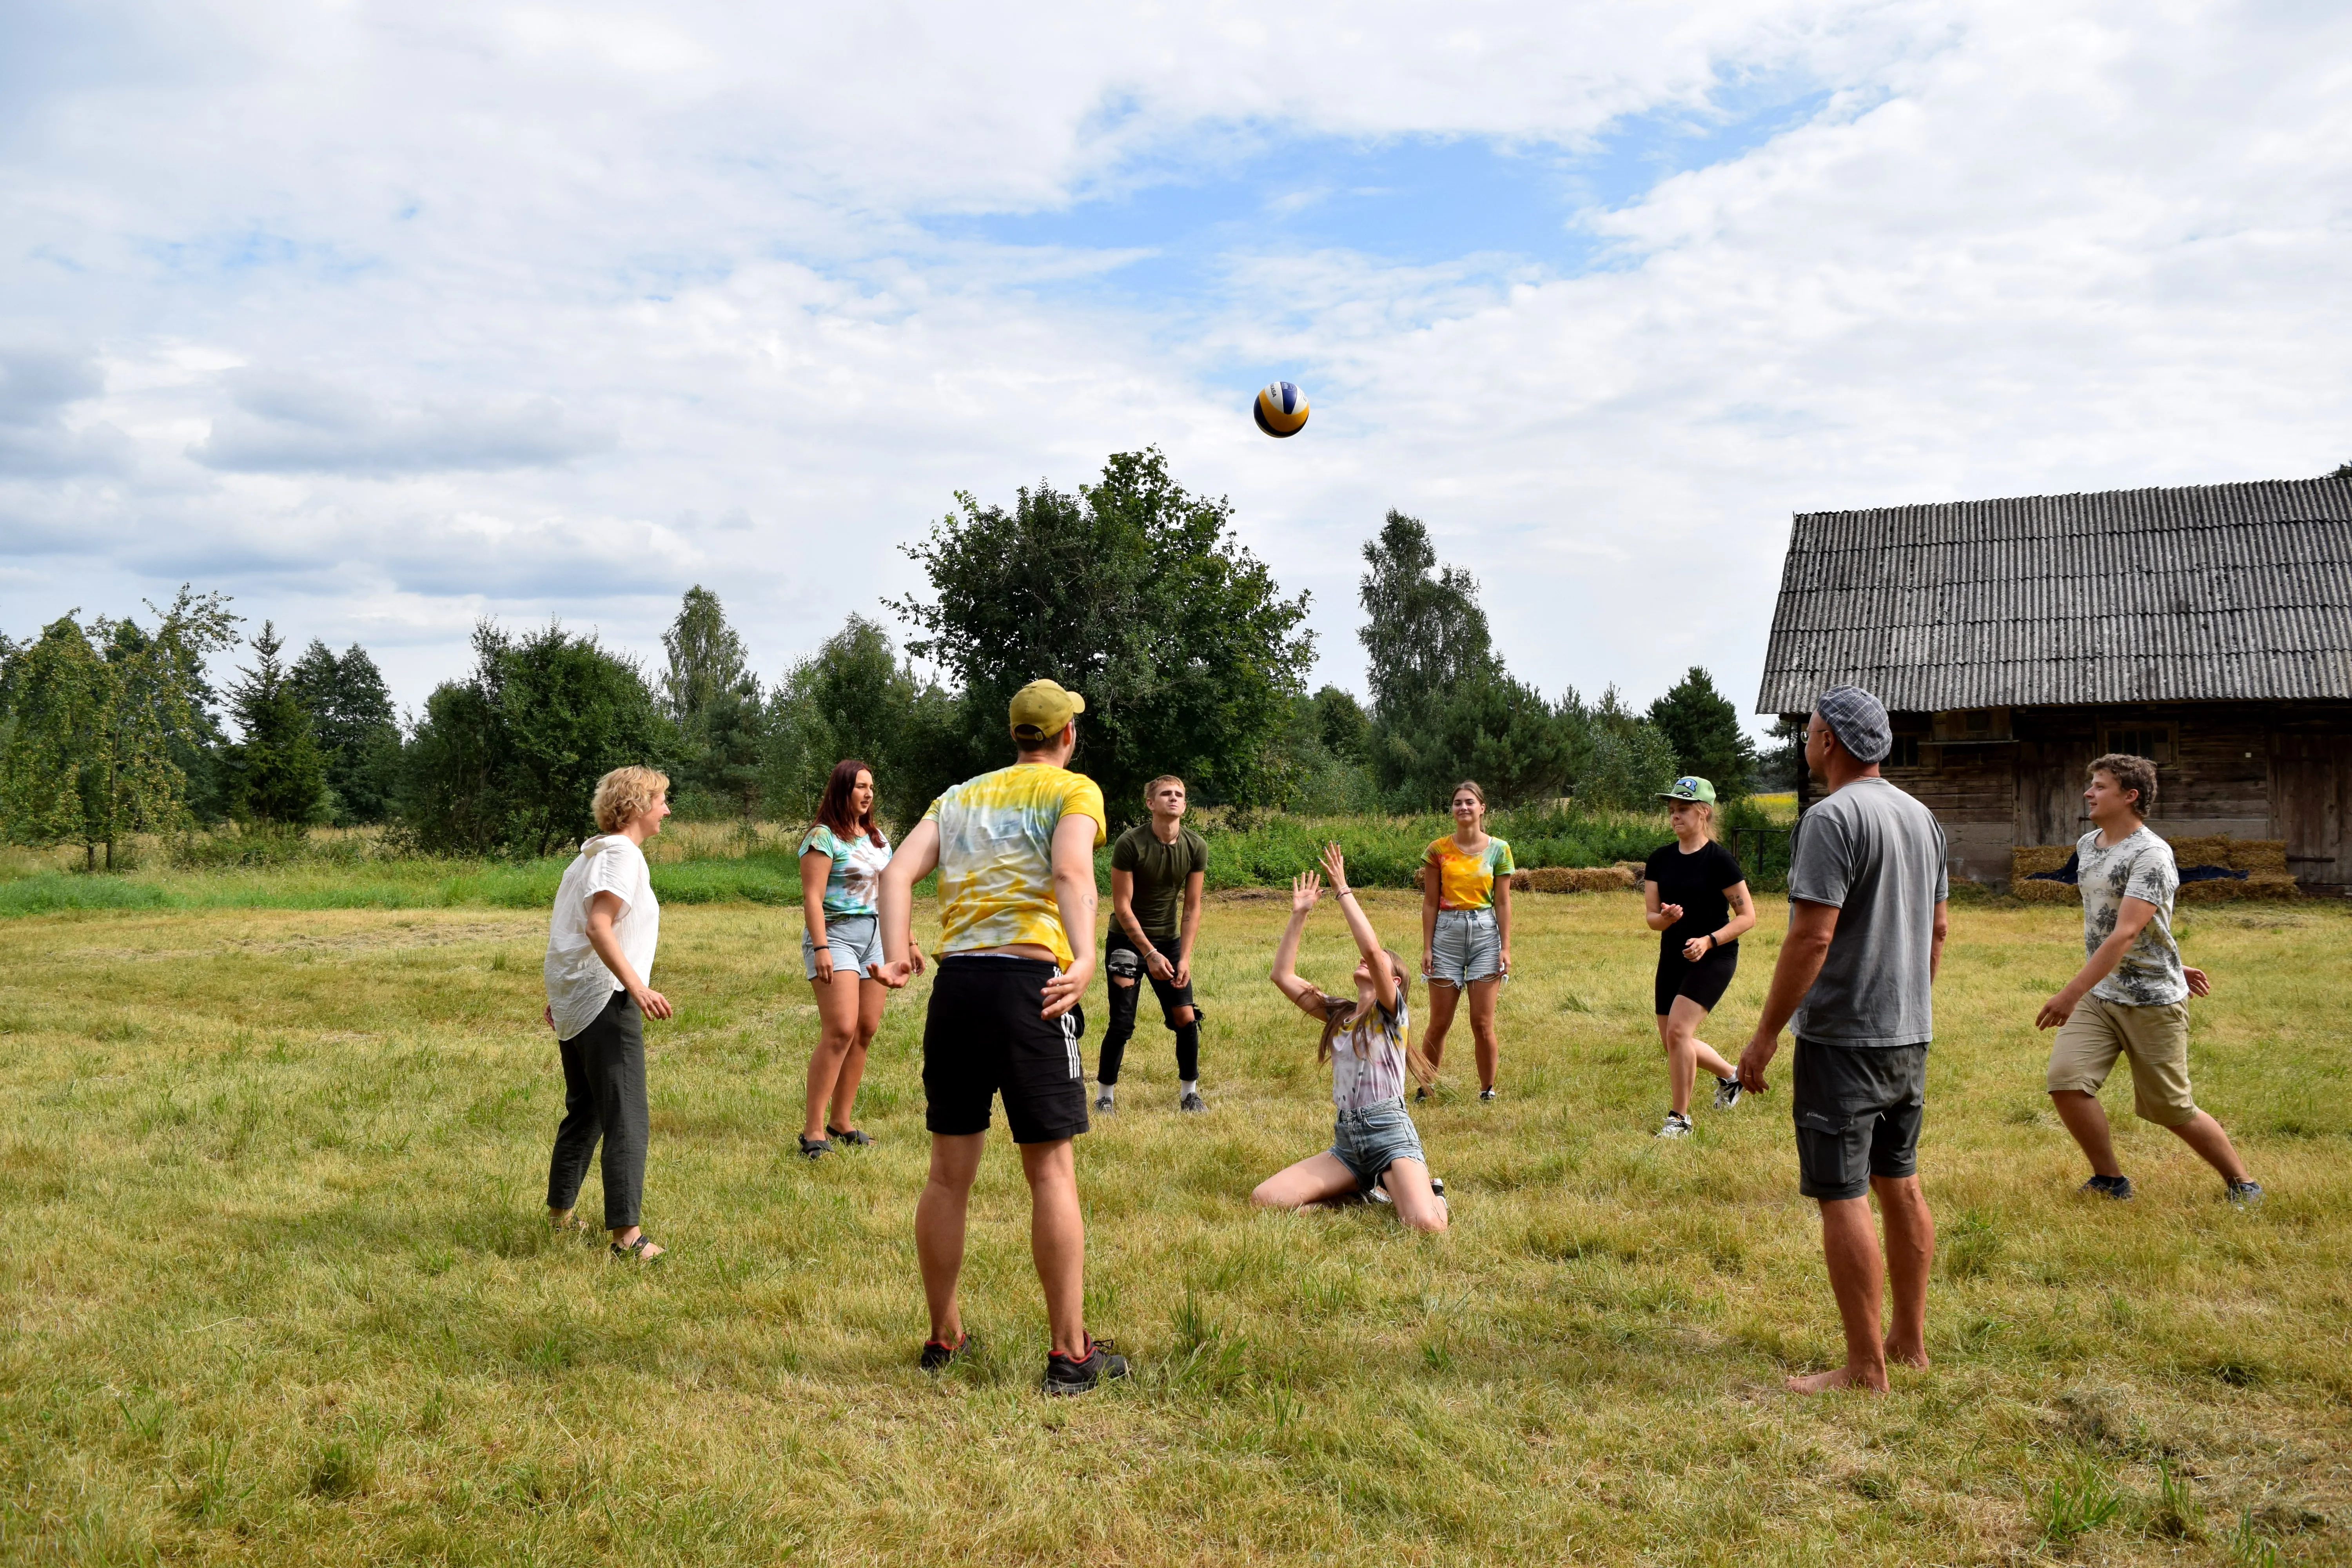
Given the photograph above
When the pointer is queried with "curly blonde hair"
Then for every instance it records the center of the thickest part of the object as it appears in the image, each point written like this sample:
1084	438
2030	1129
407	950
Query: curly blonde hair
624	792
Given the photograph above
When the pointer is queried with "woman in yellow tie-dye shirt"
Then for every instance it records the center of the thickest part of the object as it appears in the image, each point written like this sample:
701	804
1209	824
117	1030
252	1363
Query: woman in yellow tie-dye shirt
1465	930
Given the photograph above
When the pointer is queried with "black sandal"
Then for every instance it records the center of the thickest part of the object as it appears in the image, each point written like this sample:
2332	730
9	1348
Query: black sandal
815	1148
636	1250
857	1135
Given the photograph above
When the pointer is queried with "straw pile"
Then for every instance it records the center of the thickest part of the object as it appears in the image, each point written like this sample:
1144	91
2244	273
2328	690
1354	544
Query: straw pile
2263	859
1575	879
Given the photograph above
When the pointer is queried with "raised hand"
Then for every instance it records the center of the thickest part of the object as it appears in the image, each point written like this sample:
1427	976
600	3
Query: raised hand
1305	891
1335	864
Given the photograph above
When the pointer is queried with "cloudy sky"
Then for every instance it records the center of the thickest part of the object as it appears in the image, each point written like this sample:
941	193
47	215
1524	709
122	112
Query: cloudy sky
383	317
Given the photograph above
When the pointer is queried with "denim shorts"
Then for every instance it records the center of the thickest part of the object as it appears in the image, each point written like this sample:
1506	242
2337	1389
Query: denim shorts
1370	1140
855	941
1467	945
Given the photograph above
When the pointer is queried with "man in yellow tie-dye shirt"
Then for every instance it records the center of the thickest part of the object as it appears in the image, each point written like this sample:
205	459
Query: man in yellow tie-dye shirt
1015	850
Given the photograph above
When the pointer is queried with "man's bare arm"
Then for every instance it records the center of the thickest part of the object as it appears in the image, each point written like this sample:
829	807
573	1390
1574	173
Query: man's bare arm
1802	950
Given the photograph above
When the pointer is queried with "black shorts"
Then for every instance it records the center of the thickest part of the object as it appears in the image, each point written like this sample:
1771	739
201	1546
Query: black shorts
1123	960
1858	1110
1703	982
983	1036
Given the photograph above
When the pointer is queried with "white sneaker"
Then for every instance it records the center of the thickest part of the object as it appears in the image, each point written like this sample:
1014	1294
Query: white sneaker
1677	1125
1103	1104
1727	1093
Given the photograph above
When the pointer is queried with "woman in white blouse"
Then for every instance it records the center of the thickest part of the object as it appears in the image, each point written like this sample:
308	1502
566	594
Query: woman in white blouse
600	961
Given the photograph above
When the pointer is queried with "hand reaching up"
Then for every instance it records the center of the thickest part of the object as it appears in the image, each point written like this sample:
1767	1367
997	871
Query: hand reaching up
1306	890
1335	865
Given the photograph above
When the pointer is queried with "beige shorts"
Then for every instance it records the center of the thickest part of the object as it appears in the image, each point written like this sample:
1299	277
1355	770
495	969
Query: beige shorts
2155	1037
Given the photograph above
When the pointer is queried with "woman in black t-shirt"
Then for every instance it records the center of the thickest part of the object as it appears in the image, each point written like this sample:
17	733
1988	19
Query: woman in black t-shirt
1696	896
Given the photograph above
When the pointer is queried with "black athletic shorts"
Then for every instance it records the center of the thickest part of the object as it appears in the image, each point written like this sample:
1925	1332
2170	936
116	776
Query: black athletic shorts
984	1038
1858	1111
1703	982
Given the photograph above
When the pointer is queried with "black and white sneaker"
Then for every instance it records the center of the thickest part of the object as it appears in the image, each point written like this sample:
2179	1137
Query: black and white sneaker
1103	1103
1727	1093
2117	1187
938	1353
1437	1185
1193	1102
1064	1375
1677	1125
2245	1195
1488	1092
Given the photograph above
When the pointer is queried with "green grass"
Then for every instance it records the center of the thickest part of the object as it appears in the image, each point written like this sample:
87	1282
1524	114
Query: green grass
277	1289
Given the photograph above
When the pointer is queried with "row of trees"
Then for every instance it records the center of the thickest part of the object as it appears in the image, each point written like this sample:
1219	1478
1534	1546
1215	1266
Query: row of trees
1131	590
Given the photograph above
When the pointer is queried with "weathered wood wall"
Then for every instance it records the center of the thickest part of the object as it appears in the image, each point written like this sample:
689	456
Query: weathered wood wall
2247	770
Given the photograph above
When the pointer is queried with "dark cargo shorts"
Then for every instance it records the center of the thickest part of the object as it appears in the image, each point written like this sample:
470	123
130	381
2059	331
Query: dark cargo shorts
1858	1110
984	1038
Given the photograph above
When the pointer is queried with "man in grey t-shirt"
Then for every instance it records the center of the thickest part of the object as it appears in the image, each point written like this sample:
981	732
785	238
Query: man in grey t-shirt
1866	919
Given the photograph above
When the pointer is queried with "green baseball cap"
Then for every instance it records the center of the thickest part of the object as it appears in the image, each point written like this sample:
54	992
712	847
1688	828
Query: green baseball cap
1695	789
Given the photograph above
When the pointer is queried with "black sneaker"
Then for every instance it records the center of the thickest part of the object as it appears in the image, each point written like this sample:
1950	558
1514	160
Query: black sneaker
1422	1093
2245	1195
937	1354
2117	1187
1064	1376
1727	1093
1193	1102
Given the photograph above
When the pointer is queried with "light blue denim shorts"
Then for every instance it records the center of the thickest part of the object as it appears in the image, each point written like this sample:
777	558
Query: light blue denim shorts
1467	945
1370	1140
855	941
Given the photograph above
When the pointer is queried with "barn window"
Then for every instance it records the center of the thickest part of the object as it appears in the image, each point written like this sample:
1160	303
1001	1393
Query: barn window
2153	741
1906	753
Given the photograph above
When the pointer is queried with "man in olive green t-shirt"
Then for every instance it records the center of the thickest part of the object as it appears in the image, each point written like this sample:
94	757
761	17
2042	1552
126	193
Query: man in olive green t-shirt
1156	871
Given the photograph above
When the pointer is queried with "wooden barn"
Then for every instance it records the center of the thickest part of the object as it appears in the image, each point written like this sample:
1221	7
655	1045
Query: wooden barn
2209	628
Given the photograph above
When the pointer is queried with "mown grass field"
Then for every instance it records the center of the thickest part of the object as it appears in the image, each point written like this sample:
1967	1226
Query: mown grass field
277	1287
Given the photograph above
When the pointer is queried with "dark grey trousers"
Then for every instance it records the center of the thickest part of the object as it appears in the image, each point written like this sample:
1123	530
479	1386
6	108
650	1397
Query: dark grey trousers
603	1096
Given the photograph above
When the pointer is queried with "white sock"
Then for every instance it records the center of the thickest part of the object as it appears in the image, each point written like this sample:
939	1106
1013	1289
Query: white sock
1185	1086
1106	1092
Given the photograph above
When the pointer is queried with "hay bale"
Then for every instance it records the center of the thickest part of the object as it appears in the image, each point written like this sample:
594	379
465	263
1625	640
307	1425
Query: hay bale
2263	859
2026	859
2257	887
1574	879
1522	880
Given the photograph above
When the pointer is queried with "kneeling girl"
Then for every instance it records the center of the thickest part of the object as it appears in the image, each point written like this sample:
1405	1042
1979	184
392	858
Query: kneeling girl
1367	1041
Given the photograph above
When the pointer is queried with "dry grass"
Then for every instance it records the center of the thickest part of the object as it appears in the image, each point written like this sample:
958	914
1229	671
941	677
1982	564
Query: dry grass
277	1289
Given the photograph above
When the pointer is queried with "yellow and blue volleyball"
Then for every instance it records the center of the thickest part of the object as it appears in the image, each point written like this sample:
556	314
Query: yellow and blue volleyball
1282	410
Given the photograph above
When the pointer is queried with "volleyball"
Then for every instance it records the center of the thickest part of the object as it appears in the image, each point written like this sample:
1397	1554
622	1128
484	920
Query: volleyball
1282	410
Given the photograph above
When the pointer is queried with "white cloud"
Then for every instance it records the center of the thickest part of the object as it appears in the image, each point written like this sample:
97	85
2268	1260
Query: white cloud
384	319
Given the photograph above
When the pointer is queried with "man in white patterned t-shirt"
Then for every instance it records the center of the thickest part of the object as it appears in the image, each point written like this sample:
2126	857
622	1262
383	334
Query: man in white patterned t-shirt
2131	998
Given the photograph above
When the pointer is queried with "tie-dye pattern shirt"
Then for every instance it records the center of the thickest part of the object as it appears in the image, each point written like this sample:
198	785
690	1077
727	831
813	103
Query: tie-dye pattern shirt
996	856
1467	882
853	886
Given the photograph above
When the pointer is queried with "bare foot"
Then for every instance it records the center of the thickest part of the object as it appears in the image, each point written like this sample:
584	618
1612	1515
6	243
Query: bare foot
1908	1355
1843	1377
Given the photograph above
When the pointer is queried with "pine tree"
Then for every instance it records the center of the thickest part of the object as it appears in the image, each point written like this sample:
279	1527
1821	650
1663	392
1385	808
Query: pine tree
277	777
1703	729
352	720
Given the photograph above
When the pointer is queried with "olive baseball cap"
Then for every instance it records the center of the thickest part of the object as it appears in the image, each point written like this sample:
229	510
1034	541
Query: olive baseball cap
1041	709
1695	789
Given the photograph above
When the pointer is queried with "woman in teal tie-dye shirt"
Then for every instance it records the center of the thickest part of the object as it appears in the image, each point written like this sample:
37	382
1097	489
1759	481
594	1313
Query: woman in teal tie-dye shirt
842	858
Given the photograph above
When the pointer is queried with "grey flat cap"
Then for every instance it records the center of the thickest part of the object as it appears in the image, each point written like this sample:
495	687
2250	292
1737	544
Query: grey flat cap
1858	722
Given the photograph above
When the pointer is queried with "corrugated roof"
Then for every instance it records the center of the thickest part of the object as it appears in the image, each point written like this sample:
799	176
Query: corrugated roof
2205	594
